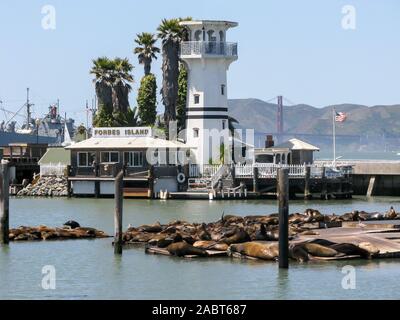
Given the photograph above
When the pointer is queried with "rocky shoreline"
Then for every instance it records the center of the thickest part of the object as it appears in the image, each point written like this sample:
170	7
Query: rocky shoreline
46	186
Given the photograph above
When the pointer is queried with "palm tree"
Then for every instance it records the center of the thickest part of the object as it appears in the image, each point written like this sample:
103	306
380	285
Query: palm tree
146	50
121	87
170	32
112	79
102	70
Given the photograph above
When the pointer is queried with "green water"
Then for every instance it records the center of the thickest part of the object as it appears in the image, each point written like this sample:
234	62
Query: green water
88	269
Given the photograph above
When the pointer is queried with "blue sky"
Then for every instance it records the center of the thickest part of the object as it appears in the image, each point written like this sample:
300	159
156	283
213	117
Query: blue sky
294	48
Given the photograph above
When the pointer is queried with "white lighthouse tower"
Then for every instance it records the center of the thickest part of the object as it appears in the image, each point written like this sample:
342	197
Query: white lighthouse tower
207	56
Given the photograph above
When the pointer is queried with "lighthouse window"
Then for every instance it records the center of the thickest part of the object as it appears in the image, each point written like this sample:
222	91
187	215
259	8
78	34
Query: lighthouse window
195	133
222	89
223	124
196	99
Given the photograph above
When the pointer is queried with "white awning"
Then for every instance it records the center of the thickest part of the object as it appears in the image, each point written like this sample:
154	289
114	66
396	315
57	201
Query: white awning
128	143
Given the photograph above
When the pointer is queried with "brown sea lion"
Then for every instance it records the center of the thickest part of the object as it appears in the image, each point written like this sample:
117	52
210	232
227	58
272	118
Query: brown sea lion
211	245
391	214
350	249
153	228
267	251
203	234
320	251
182	248
369	247
298	253
238	236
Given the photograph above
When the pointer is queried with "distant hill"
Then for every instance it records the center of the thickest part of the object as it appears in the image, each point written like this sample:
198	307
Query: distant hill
306	119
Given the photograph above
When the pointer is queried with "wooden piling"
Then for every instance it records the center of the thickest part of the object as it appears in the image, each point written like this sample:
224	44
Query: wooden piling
69	183
324	186
118	212
151	182
4	203
307	194
283	200
255	179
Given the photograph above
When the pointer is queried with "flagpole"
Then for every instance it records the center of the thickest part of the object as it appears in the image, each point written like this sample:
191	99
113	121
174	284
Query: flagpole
334	135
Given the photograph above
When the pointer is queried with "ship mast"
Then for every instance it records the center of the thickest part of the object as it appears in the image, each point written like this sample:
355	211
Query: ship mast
28	109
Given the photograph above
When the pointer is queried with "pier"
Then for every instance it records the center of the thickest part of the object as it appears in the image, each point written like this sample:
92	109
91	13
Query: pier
373	177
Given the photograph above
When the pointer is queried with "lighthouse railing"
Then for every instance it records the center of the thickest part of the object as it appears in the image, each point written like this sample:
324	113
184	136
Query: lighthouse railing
197	48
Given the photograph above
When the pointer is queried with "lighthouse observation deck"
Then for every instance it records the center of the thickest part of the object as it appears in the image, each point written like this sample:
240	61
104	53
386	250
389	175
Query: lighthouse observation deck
196	49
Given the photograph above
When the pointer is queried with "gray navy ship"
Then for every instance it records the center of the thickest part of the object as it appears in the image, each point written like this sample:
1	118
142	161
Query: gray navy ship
50	129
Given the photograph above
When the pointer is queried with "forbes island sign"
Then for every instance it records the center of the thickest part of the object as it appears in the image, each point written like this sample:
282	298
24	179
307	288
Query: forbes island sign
122	132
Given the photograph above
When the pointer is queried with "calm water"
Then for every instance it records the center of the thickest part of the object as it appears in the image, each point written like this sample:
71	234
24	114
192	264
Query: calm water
88	269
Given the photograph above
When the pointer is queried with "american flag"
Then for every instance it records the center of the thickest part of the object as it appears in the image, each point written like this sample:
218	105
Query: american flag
340	116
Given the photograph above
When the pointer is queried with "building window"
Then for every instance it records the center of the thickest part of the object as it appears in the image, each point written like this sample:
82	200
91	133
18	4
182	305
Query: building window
222	89
133	158
85	159
223	124
195	133
109	156
196	99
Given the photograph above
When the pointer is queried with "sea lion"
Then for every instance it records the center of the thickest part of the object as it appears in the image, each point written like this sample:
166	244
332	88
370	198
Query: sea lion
261	234
153	228
182	248
320	251
350	249
376	216
322	242
296	218
369	247
72	224
310	233
391	214
267	251
238	236
211	245
203	233
298	253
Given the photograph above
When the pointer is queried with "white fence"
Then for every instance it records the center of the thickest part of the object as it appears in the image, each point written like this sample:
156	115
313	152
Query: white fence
208	170
52	169
267	170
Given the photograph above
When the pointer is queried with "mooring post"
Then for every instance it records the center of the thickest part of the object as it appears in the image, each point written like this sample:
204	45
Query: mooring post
255	179
324	187
118	212
151	182
307	194
4	203
283	199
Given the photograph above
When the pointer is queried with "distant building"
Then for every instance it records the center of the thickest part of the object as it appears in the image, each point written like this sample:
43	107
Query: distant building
293	151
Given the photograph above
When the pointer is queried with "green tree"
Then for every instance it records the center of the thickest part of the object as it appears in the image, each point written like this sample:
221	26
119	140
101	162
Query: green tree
112	81
147	100
146	50
170	32
182	95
